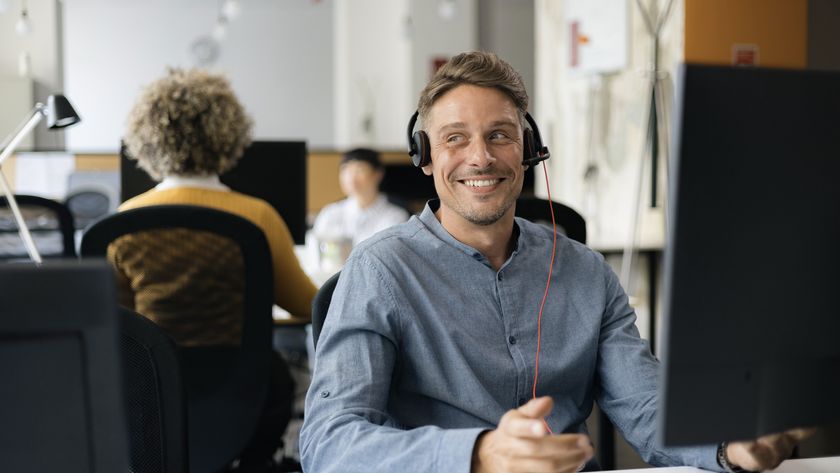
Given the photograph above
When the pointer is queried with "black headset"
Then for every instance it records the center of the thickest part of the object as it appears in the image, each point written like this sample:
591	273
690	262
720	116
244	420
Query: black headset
533	150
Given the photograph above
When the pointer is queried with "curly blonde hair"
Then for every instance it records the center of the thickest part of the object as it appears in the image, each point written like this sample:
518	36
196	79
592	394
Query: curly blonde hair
187	122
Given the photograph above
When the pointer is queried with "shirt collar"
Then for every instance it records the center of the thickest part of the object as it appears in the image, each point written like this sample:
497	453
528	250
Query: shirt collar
430	221
200	181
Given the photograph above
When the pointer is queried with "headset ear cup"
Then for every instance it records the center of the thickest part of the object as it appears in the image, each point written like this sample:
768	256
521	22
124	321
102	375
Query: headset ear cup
421	144
529	150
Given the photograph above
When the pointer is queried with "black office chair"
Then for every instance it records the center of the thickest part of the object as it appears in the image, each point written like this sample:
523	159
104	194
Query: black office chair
156	412
60	400
50	223
87	204
320	306
226	386
568	220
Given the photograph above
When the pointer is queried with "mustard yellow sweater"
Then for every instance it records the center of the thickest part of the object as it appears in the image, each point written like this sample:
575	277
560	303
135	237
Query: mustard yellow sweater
293	290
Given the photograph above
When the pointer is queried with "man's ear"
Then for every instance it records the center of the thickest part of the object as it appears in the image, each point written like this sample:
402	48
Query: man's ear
427	169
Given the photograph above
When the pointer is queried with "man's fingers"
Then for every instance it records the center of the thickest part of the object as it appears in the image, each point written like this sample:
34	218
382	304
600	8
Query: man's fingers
565	464
769	451
801	434
537	408
762	459
527	420
525	427
563	447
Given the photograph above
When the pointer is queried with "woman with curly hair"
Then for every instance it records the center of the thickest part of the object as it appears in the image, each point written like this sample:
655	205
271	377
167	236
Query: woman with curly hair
185	130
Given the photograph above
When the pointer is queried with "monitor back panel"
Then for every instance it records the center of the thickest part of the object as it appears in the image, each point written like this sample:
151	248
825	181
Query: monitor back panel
751	320
274	171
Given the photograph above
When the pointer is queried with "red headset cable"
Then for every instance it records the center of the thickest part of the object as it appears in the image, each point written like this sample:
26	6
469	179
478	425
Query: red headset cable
545	294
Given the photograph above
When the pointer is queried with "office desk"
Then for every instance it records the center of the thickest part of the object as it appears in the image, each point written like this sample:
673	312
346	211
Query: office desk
805	465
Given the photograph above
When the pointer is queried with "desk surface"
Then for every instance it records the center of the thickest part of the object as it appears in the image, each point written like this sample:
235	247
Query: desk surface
805	465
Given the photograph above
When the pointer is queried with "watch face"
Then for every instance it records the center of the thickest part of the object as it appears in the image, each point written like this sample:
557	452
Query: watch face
204	51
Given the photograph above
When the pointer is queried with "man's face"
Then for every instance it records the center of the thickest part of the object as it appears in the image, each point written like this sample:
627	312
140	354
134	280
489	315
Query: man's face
359	178
476	145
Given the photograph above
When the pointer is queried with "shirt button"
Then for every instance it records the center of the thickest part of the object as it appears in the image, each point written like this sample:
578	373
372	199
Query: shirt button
500	277
512	340
325	394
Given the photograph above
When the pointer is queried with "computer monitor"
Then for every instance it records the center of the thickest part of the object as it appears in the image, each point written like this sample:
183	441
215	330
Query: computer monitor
274	171
751	318
61	395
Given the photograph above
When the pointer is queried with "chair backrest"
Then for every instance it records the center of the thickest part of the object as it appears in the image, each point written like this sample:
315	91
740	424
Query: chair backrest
320	306
60	400
537	210
156	411
50	223
91	195
88	204
226	386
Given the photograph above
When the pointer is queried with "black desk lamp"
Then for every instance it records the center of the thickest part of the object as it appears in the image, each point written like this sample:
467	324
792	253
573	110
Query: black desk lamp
59	114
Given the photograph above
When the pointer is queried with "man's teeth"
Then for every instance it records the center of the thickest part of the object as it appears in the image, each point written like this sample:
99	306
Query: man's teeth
481	183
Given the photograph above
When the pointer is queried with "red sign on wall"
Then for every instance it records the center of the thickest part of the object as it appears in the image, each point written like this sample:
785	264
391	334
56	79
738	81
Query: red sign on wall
745	55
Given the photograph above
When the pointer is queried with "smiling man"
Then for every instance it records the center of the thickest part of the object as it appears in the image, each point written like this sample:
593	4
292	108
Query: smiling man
427	359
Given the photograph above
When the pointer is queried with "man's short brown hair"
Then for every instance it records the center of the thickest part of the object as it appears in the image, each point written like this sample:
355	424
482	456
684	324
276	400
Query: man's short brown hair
475	68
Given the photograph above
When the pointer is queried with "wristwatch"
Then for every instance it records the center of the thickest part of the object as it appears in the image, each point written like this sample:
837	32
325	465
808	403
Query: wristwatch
724	462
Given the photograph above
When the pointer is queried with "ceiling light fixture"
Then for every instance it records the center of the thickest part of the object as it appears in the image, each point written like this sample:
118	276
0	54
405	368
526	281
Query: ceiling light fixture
231	9
23	25
447	9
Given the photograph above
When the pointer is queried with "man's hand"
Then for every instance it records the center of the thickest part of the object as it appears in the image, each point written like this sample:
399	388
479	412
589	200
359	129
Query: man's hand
766	452
521	443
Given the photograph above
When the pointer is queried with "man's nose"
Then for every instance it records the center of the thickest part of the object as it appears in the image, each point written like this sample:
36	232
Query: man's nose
479	154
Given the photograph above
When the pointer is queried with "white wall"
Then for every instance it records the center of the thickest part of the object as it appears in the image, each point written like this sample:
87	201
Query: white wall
601	121
506	27
42	46
434	36
383	54
373	75
278	56
304	69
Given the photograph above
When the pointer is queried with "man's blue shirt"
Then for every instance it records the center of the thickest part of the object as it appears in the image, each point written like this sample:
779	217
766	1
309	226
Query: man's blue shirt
426	345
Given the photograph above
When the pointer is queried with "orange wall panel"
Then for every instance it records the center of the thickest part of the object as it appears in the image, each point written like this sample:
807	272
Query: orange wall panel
97	162
322	180
778	27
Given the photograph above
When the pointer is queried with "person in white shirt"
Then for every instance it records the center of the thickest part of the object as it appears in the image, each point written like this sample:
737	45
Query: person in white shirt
365	211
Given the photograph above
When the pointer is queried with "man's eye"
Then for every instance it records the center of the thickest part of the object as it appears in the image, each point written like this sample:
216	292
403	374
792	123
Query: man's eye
498	135
454	138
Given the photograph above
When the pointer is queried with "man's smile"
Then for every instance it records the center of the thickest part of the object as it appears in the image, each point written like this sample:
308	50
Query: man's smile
480	182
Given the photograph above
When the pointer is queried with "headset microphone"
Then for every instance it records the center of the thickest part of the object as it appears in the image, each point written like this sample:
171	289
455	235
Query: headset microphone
537	159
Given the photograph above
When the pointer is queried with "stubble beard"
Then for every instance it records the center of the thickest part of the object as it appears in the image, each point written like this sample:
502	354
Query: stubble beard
481	217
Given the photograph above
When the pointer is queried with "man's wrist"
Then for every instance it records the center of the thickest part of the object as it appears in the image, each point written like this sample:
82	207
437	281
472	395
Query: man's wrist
476	466
725	463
